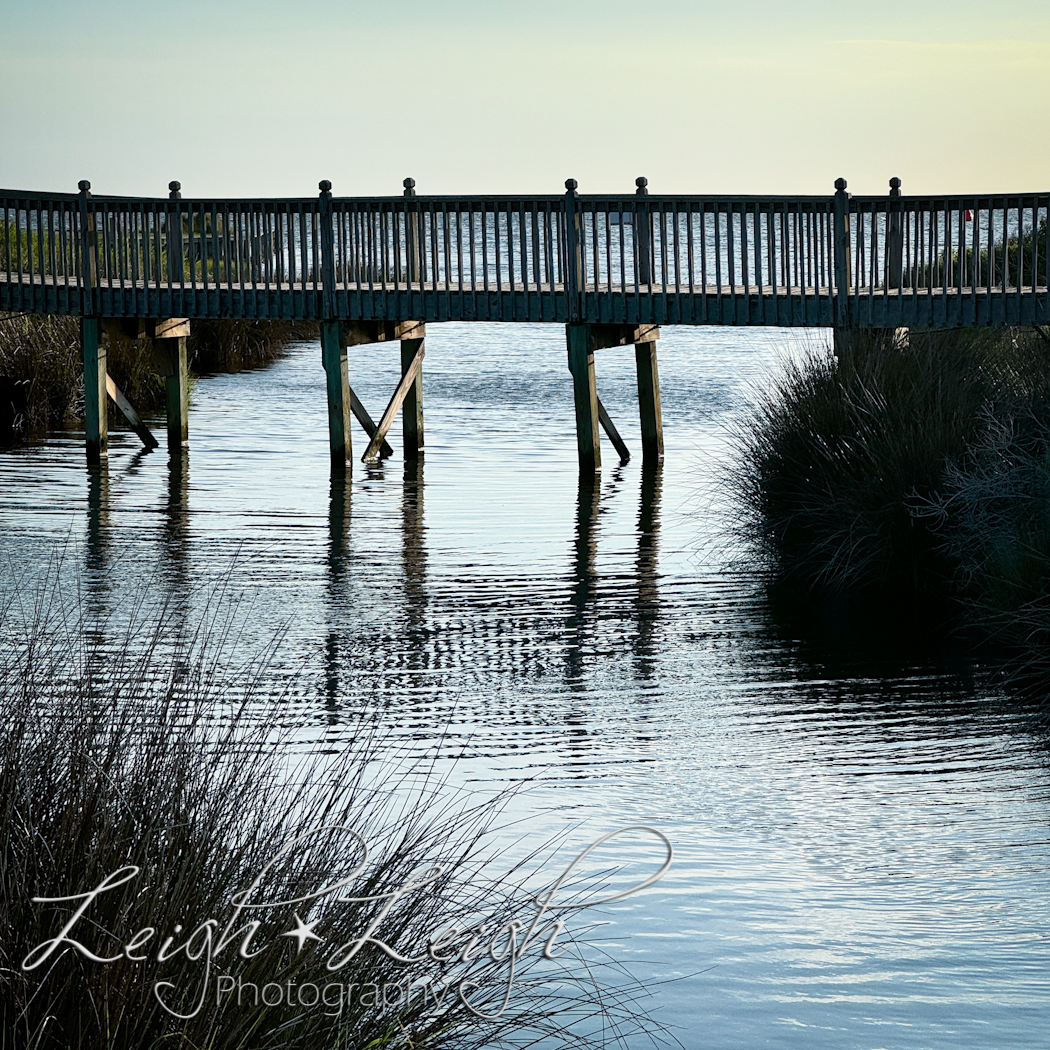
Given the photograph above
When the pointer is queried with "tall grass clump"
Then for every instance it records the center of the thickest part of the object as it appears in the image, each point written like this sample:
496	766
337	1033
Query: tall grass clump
993	511
41	378
838	449
910	476
132	771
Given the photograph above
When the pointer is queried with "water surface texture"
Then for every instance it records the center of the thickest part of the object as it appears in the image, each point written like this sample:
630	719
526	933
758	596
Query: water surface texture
862	855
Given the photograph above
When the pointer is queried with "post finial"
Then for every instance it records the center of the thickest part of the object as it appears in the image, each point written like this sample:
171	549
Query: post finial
83	185
410	187
641	182
840	184
174	187
895	187
324	186
570	185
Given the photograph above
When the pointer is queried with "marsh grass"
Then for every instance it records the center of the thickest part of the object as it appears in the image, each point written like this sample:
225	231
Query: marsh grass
229	346
41	378
41	375
132	758
993	513
910	478
837	450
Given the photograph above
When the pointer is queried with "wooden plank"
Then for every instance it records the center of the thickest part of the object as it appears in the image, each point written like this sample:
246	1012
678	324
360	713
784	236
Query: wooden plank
614	435
649	402
333	358
407	381
605	336
169	328
96	422
362	416
581	365
140	428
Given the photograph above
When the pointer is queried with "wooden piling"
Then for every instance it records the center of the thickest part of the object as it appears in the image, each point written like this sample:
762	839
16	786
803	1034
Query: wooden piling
649	402
96	420
178	399
169	359
412	409
333	357
581	365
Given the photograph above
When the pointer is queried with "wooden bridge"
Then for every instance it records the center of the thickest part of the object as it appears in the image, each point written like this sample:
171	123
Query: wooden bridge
611	268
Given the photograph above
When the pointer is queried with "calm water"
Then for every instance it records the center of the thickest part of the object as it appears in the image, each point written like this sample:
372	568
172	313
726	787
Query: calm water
862	845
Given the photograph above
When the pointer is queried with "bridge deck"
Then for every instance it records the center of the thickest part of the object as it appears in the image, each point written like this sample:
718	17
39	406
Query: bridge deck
519	301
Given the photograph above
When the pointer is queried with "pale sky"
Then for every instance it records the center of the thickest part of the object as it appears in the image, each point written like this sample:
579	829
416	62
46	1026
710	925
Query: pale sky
257	98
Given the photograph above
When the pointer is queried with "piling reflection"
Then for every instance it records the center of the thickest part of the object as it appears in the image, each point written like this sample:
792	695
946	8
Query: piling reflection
338	562
582	591
414	565
175	545
647	594
97	556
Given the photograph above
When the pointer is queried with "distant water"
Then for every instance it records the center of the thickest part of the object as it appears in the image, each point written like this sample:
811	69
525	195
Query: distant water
863	856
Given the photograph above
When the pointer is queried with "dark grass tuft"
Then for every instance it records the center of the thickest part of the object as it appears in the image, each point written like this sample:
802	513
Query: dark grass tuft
136	754
910	478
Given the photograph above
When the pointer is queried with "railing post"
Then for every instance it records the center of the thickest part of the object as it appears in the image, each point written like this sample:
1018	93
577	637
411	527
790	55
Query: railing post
642	233
176	261
88	274
841	238
327	251
411	234
333	342
573	253
92	348
894	238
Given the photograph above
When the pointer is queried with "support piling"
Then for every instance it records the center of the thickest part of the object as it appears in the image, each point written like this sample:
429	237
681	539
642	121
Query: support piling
96	420
333	357
581	365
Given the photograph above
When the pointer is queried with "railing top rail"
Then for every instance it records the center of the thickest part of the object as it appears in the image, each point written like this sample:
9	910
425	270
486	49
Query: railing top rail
36	195
231	202
911	200
400	201
584	198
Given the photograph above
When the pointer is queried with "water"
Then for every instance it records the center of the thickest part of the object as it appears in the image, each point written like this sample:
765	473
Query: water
862	852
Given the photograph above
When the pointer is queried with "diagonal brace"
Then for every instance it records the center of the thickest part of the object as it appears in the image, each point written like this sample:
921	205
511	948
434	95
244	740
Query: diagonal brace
614	434
407	380
1038	328
362	416
140	428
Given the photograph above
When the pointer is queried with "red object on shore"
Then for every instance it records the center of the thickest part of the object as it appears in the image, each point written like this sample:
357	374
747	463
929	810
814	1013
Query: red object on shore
969	215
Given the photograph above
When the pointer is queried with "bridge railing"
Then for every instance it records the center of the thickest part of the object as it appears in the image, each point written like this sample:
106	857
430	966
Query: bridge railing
568	257
148	257
924	260
483	257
